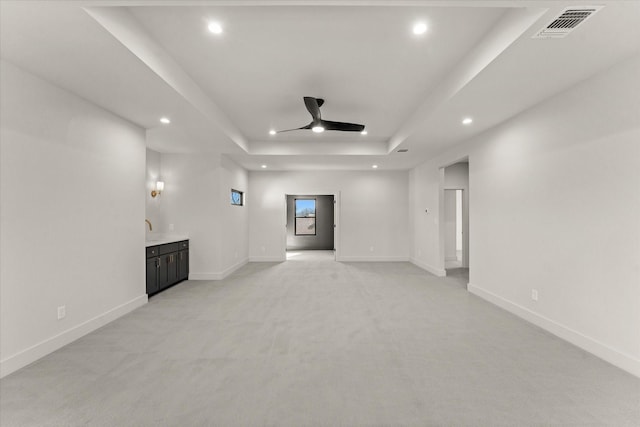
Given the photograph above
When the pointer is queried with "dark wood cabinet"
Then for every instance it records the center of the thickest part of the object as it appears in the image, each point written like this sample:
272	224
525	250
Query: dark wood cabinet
183	264
172	268
167	265
152	275
163	272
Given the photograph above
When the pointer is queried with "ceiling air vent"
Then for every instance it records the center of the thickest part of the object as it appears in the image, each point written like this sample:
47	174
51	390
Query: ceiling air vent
566	22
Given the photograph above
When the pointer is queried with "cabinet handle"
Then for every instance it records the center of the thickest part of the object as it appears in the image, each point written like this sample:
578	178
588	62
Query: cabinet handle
158	263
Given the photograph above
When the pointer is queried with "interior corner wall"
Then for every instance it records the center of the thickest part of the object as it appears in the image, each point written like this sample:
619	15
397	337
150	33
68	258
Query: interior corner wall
424	193
554	206
234	220
71	217
190	205
372	212
196	202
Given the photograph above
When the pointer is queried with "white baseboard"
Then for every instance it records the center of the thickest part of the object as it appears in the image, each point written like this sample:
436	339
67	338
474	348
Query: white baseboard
440	272
593	346
230	270
267	259
35	352
373	259
218	275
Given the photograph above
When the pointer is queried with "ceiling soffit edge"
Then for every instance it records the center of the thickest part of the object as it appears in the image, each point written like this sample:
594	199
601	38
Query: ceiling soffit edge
510	27
124	27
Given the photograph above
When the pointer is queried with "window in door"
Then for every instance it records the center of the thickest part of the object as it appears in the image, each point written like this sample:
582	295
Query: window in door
305	223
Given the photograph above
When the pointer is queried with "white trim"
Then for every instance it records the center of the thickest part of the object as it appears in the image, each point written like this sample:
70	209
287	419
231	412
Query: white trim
593	346
440	272
221	275
373	259
227	272
37	351
266	259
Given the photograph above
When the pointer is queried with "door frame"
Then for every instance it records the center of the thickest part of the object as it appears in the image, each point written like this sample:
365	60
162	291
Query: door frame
466	219
336	219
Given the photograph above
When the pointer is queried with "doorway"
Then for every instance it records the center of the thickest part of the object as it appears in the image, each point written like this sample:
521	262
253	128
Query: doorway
310	226
454	226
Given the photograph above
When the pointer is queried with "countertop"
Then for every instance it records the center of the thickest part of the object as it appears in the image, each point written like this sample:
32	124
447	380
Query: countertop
161	239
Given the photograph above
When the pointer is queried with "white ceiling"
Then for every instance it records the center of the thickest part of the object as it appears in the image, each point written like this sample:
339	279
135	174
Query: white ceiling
147	59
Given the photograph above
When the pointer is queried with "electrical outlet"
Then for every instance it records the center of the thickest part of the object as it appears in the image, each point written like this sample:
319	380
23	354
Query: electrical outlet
62	311
370	248
170	227
534	294
263	249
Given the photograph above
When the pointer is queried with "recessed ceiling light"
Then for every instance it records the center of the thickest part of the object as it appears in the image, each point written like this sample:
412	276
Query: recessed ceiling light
374	166
317	129
165	120
364	132
263	166
419	28
467	121
215	28
272	132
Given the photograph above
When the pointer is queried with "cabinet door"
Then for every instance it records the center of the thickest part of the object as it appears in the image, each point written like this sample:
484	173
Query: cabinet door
163	272
183	265
152	276
172	268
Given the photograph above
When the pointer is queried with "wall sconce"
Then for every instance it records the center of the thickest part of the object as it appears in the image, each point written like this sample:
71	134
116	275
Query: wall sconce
158	190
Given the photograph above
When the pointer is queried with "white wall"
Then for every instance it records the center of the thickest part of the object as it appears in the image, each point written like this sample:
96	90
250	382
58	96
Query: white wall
71	217
234	220
424	206
373	212
554	206
190	202
153	205
456	176
196	200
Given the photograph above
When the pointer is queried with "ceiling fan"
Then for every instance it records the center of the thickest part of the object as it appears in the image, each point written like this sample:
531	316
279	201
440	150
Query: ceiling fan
318	124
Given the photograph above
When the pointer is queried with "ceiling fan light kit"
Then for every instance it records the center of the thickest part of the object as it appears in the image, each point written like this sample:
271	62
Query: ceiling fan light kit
319	125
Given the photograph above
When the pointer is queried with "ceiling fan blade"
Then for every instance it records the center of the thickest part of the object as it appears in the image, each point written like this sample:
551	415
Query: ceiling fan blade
289	130
313	106
347	127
